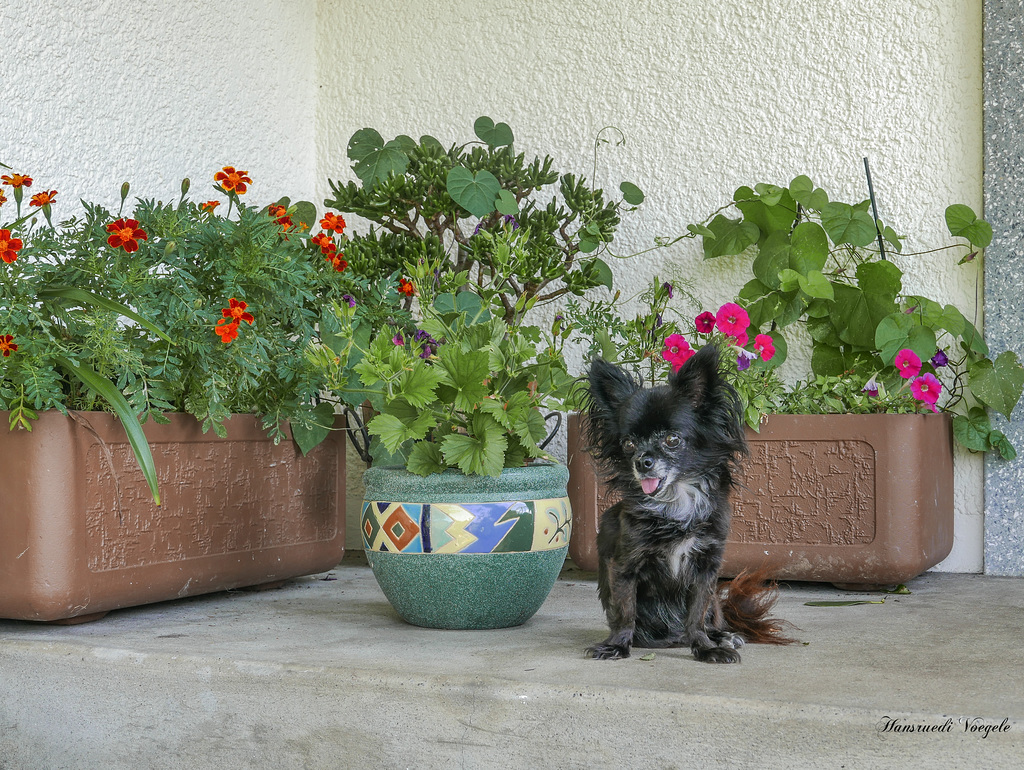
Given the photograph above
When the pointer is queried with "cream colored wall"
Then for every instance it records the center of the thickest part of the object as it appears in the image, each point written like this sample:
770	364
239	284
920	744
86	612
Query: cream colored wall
94	93
710	96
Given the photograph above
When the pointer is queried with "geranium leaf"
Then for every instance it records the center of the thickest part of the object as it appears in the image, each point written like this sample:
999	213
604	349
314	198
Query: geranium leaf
425	458
481	453
465	372
419	384
476	193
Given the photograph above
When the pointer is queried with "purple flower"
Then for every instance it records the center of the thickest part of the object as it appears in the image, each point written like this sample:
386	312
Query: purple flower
427	352
743	360
871	388
509	219
667	287
420	335
940	359
349	299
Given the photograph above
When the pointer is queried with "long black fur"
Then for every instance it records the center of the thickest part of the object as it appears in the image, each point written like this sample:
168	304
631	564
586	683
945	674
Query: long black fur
672	454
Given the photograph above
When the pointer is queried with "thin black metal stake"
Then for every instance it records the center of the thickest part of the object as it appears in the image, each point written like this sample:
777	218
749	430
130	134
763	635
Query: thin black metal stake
874	209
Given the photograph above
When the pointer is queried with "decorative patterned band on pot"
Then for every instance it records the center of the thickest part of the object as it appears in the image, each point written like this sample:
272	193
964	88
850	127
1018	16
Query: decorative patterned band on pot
80	534
859	500
456	551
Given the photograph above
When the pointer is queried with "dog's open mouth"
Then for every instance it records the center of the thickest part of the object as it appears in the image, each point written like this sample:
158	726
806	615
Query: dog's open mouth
651	486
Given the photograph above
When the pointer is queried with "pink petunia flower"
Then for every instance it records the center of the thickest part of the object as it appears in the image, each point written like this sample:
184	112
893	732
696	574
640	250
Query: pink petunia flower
705	322
732	320
740	340
764	345
907	363
926	388
677	351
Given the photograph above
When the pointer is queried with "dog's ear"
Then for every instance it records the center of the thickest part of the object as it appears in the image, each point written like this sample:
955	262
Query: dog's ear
610	387
698	376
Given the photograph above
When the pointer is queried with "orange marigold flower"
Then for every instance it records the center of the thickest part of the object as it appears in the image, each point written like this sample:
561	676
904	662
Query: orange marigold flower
9	246
44	198
209	205
126	234
333	222
325	242
405	287
227	331
3	198
337	262
236	312
233	181
280	214
7	344
16	180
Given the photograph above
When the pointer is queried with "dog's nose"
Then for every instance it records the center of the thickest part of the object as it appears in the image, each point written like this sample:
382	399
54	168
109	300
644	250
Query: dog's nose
644	462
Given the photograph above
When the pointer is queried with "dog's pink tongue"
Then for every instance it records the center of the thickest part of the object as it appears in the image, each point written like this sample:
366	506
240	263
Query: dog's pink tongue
649	486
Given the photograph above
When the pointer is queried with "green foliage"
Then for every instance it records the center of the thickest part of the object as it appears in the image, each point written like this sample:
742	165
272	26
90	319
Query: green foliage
816	263
100	327
444	206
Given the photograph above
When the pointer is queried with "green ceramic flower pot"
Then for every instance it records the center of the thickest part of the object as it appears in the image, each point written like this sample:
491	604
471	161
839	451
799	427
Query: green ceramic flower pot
460	552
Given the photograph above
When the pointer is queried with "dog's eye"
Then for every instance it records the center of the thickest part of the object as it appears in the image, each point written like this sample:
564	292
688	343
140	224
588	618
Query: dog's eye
628	446
672	441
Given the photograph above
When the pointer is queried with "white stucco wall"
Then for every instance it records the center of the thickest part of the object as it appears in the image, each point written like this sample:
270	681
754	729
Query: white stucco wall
710	96
97	92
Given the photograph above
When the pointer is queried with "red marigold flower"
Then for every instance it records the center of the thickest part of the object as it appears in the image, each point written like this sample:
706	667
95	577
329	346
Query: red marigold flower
732	320
3	198
209	205
333	222
9	246
337	262
677	351
227	331
907	363
405	287
233	181
236	312
705	322
126	234
324	241
43	198
7	344
16	180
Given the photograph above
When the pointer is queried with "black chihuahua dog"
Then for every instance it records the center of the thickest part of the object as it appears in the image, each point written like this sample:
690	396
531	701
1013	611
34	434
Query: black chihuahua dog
671	454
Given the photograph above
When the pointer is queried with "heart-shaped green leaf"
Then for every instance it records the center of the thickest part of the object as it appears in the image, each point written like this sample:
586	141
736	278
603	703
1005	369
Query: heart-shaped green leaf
845	224
507	204
496	135
476	193
376	165
632	194
732	236
963	222
998	383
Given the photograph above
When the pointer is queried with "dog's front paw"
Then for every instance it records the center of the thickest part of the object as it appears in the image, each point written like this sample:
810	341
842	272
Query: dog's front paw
726	639
716	655
606	651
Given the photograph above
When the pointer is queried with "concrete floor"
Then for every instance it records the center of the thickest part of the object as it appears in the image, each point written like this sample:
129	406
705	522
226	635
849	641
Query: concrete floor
323	674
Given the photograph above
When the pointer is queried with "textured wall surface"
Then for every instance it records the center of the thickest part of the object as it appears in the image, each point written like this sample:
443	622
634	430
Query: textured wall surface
710	96
98	92
1004	303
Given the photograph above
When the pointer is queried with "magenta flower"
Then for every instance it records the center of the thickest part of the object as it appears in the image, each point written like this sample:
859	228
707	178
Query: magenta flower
907	363
926	388
705	322
677	351
764	345
740	340
732	320
398	339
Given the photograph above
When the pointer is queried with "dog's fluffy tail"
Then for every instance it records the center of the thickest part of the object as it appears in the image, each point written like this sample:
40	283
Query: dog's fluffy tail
747	601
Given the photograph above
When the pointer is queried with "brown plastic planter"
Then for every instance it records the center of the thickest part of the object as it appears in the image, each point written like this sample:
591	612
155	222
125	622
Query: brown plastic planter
80	534
859	500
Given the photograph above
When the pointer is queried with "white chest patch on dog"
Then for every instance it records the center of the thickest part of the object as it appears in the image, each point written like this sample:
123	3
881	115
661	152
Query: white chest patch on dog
677	556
